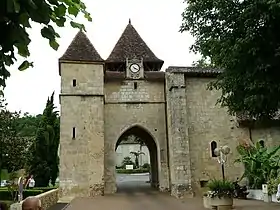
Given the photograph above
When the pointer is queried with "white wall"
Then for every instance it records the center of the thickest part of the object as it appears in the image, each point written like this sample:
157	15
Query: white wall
124	150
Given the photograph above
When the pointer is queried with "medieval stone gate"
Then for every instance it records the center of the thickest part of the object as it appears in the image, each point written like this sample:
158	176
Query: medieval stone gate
172	111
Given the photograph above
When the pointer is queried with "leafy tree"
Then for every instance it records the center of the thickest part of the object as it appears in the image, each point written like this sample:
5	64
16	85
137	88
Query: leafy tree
137	154
203	63
12	147
27	125
43	159
15	19
241	37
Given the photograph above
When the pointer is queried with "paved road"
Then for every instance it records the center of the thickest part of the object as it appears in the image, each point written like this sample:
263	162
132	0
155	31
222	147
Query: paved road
133	183
135	194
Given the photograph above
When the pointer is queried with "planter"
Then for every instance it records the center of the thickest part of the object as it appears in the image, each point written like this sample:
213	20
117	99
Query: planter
267	198
255	194
274	199
207	202
223	201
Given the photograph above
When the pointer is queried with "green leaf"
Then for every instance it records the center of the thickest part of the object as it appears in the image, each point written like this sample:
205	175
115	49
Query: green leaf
77	25
73	10
60	10
60	22
24	19
32	4
8	60
10	6
87	16
54	44
25	65
48	32
22	50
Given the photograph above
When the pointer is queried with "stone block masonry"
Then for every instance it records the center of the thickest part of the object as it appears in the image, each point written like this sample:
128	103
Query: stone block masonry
180	173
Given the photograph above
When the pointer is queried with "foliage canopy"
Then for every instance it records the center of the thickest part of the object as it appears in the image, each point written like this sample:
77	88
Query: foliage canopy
241	37
16	17
43	157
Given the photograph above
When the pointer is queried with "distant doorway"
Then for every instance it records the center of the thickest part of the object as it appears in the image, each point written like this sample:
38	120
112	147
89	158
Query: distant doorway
136	161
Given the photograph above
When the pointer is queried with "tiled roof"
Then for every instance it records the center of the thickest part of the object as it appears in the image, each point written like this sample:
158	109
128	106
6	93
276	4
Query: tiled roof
131	45
81	49
195	71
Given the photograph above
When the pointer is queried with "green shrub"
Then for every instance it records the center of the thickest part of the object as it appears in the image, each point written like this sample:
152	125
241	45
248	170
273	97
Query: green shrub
261	163
6	195
8	203
132	171
220	188
146	165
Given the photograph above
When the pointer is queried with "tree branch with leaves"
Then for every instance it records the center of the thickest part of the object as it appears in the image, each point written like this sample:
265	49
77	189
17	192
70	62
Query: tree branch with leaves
16	17
241	37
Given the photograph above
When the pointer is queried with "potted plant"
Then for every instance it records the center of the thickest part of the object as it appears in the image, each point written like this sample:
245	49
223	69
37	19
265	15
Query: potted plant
221	193
272	186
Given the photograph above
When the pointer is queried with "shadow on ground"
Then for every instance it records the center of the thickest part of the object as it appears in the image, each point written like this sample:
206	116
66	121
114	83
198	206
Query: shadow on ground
58	206
134	184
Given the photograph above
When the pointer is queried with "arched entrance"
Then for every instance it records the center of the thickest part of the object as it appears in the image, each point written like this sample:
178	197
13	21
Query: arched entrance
148	141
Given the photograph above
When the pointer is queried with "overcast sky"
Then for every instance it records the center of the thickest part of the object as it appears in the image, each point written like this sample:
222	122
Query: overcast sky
157	22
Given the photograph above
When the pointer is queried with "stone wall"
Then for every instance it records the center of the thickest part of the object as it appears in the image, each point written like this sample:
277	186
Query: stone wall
178	136
209	122
47	199
271	136
81	130
126	107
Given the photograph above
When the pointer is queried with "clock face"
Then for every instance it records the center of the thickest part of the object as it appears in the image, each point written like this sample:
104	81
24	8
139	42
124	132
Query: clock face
134	68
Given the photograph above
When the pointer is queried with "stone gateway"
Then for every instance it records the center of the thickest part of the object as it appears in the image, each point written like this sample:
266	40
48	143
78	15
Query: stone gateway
172	111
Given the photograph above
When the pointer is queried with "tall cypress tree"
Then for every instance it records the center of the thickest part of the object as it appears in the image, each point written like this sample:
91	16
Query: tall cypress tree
43	153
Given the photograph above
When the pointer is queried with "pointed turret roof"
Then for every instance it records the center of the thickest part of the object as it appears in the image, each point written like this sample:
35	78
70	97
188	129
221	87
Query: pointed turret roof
81	49
131	45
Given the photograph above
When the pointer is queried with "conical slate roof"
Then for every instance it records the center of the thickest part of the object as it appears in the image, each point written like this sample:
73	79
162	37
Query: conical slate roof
131	45
81	49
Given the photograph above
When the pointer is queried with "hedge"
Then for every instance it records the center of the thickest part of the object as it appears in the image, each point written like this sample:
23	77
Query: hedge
132	171
6	195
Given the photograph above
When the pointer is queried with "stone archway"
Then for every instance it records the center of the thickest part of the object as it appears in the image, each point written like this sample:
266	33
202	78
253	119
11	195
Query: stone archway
151	144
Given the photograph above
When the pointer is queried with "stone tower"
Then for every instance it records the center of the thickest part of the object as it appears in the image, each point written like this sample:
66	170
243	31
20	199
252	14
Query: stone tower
82	119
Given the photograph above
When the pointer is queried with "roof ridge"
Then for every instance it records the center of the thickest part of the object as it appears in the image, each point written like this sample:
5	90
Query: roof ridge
81	49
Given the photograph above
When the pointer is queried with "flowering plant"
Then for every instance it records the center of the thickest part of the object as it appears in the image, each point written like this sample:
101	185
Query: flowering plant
220	188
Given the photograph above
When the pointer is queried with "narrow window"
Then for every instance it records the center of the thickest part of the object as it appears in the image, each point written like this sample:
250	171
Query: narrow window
213	147
262	143
74	82
135	85
73	133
